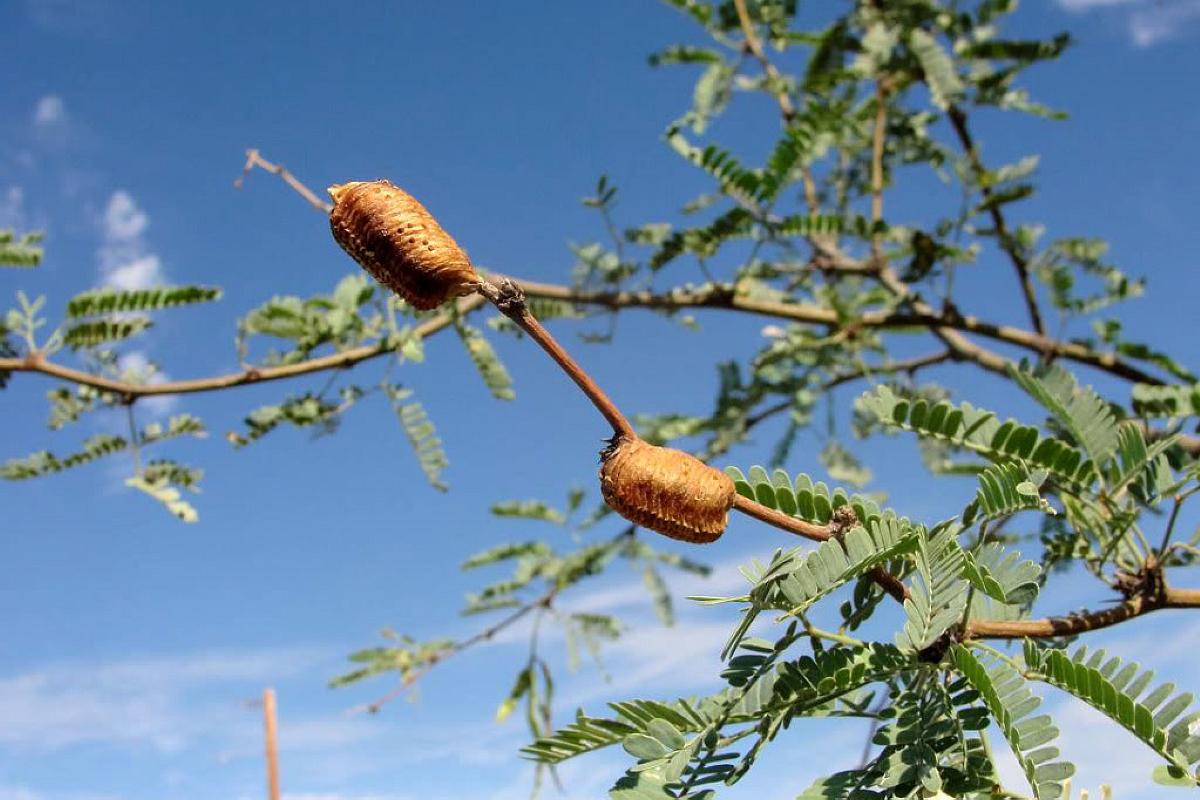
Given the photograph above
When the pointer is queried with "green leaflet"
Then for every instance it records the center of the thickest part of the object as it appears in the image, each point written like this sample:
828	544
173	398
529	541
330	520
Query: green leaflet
45	462
1166	401
1118	690
1144	471
421	434
705	240
300	410
1010	703
980	431
484	357
68	405
96	302
338	319
789	689
161	490
521	687
1001	575
720	164
1078	408
103	331
803	498
1028	50
1006	489
795	580
938	595
166	471
930	745
683	54
528	509
178	425
20	251
504	552
945	86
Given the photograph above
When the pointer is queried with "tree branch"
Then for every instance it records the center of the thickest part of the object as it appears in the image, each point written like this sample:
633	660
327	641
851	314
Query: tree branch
910	365
131	391
1083	621
942	325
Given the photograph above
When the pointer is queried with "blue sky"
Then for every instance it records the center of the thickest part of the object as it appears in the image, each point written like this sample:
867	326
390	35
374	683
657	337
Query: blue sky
132	642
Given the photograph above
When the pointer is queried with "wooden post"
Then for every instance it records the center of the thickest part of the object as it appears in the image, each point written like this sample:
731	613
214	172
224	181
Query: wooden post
271	731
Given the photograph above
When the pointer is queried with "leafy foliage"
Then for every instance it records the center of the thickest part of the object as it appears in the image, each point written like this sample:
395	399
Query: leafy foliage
20	251
1166	401
793	227
159	486
45	462
981	432
999	573
98	302
1081	411
103	331
422	435
939	596
1006	489
489	365
1118	689
1010	703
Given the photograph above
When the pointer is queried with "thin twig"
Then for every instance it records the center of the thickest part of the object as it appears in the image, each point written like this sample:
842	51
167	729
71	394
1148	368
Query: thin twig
910	365
817	533
878	140
1008	242
786	108
254	159
510	301
129	391
457	647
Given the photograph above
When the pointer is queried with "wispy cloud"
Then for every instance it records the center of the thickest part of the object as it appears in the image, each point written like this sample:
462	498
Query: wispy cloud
49	111
1148	22
1090	5
1156	23
12	208
126	261
134	702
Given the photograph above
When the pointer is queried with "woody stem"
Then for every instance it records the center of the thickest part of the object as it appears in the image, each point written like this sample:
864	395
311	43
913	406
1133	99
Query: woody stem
818	533
510	300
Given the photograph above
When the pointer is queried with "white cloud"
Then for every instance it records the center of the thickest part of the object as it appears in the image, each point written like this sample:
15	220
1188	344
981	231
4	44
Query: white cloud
139	273
1091	5
18	793
126	261
1148	22
1157	23
123	220
12	208
339	796
49	111
135	702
